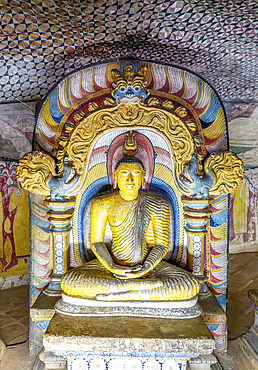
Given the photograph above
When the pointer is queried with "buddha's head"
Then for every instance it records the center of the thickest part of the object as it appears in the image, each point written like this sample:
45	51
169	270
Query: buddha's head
129	172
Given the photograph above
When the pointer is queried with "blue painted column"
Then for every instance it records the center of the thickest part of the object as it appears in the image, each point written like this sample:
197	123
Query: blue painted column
197	217
60	215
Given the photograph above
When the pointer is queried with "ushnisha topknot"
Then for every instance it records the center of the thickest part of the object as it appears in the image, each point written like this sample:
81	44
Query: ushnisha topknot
130	148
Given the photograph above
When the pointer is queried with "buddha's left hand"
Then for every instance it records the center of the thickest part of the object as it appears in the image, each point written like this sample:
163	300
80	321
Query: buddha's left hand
139	270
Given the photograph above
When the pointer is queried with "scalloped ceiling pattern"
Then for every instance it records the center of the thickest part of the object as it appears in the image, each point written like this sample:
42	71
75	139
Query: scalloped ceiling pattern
42	41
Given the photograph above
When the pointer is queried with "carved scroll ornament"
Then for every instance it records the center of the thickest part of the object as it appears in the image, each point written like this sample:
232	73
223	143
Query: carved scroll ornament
36	173
223	173
129	115
227	171
33	172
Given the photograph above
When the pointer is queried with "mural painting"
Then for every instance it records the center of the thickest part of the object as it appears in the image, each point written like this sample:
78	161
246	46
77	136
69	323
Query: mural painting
14	221
17	122
244	219
243	135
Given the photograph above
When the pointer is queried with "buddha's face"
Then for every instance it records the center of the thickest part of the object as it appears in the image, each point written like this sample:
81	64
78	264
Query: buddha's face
130	178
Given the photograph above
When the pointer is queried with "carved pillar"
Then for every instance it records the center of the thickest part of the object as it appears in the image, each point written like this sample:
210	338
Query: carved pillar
36	173
197	216
60	215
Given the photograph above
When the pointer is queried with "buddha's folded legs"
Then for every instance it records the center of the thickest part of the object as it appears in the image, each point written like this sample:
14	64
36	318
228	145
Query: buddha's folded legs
166	282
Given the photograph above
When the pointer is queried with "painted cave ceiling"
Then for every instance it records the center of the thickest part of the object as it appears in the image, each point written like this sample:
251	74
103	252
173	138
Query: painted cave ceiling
43	40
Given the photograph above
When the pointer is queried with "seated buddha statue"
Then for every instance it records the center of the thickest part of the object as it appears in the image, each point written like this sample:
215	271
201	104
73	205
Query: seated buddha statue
131	268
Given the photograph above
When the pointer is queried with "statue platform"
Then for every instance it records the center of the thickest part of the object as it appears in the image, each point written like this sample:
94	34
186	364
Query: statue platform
112	342
76	339
88	307
43	309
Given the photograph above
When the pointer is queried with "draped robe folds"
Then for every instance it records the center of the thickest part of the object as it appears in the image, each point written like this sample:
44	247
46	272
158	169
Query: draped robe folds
145	225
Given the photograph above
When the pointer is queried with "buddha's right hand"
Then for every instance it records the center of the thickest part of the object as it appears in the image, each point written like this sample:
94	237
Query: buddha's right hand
102	253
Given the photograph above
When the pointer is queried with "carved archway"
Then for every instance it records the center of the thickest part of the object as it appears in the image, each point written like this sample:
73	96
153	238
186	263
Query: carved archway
133	116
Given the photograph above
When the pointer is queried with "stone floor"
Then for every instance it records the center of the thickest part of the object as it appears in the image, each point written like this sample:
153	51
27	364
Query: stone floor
14	315
17	357
243	275
239	356
14	318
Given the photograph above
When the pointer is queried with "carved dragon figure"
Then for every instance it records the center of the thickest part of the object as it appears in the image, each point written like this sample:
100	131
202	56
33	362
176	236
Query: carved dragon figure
223	173
36	173
129	87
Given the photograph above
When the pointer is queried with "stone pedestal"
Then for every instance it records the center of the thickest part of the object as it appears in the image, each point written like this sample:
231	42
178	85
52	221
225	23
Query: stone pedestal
212	312
41	312
203	362
114	342
44	308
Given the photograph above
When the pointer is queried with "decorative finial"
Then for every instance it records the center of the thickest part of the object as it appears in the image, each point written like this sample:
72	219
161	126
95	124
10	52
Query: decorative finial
129	72
130	146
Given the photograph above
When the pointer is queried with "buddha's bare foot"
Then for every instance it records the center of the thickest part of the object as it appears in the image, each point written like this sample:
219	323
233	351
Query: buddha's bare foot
109	296
120	276
138	291
115	296
130	295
